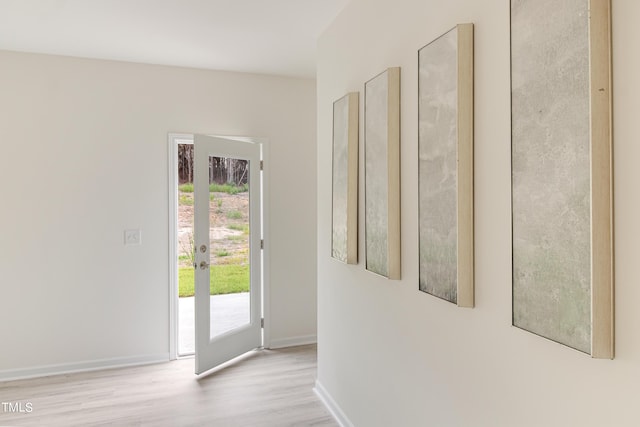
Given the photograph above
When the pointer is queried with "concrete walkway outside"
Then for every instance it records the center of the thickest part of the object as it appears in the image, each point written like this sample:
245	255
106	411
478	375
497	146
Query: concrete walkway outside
227	313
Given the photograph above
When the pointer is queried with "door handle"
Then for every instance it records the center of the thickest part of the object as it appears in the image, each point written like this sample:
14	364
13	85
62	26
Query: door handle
204	265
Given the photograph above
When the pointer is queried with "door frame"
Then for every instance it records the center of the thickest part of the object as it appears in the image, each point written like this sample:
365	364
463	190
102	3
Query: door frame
187	138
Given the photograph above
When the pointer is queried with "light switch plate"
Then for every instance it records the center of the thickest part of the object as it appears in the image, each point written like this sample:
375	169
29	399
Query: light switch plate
132	237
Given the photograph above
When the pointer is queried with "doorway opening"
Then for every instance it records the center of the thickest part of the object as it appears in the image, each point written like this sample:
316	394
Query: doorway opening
228	257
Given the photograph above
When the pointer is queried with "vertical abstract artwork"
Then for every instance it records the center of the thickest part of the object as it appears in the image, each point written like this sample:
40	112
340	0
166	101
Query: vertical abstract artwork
382	174
561	172
445	152
344	239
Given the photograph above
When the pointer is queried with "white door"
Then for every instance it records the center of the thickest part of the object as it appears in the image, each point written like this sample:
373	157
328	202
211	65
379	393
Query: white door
227	324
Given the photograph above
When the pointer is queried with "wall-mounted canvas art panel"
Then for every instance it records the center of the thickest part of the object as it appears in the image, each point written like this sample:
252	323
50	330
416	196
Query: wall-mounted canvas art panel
561	172
445	151
344	239
382	174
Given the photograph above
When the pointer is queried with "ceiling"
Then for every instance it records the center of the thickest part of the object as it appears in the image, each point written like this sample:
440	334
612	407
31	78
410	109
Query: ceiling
258	36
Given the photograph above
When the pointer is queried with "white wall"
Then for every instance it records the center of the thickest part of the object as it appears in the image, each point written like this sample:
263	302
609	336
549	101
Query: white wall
391	355
84	156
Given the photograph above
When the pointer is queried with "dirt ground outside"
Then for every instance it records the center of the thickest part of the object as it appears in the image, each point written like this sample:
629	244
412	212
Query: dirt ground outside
229	228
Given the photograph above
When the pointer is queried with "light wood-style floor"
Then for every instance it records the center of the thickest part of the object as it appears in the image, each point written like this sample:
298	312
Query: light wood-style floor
263	388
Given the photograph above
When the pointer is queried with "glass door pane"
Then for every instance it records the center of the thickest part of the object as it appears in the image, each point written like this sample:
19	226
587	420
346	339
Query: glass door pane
229	235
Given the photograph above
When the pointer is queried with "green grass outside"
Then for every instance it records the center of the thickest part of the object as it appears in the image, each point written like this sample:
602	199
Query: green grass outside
225	279
239	227
185	200
216	188
186	187
228	188
234	215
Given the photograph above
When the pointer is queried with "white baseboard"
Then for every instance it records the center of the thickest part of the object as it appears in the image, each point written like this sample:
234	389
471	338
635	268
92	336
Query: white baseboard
293	341
331	405
91	365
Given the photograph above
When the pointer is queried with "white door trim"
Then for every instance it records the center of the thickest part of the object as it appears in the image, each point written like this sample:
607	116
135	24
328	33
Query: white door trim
186	138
